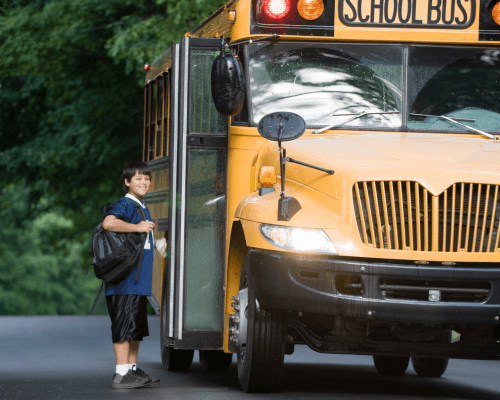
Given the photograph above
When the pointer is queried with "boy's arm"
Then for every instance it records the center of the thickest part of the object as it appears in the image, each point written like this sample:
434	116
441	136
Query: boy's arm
113	224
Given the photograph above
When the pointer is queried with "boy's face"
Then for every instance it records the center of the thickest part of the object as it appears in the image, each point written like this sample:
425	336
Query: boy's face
138	186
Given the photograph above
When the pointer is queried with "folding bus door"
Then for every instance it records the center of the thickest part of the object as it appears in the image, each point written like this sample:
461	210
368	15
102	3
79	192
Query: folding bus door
200	205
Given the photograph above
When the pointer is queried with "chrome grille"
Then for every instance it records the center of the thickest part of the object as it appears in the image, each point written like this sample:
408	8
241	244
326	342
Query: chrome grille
403	215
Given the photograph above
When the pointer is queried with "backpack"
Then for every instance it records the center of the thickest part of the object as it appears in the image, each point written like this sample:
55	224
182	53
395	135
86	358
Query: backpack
115	255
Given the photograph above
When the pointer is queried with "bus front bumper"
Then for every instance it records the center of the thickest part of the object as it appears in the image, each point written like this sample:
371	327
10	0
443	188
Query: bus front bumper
311	284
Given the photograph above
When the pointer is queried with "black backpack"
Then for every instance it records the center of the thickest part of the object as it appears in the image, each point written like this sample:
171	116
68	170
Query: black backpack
115	255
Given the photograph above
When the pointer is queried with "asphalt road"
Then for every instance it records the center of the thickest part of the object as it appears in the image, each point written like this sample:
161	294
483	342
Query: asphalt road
72	358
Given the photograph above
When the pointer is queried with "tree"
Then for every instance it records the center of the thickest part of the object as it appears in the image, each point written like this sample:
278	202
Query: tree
70	116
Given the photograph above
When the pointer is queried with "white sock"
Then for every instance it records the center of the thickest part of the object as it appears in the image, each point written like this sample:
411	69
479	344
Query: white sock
122	369
133	367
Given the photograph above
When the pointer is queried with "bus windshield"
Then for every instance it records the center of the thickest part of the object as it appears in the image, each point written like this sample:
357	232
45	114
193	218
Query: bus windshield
323	83
328	83
460	83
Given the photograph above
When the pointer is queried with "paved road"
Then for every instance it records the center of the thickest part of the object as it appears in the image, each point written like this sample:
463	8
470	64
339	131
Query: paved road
72	358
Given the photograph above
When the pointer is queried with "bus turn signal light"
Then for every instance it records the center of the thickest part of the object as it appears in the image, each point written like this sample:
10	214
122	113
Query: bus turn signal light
276	9
267	177
310	9
495	13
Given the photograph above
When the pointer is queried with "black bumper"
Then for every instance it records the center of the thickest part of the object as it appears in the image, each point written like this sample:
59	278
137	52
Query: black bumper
308	284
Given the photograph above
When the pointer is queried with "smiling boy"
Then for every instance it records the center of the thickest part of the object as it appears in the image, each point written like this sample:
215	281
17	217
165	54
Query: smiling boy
127	300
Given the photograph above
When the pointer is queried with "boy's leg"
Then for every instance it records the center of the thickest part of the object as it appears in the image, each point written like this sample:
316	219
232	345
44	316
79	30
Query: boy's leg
122	350
133	351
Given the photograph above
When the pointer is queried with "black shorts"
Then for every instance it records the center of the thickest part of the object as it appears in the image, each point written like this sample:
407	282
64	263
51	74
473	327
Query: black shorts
128	313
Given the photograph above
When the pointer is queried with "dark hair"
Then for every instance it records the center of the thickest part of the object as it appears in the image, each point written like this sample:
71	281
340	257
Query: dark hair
134	167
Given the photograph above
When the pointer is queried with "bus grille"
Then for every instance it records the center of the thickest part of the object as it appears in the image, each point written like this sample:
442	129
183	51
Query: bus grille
403	215
449	291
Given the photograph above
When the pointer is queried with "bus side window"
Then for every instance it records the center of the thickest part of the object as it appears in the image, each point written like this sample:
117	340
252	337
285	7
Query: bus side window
166	114
157	139
204	117
150	108
147	107
156	118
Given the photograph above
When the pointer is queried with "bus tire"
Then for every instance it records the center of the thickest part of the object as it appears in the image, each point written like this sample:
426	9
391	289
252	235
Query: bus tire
262	352
432	367
215	360
175	359
429	367
391	365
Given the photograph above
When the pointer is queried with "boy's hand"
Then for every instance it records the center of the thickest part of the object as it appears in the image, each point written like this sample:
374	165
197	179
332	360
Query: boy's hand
161	246
145	226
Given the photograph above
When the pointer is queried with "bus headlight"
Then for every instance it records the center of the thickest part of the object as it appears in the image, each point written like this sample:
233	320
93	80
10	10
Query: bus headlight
298	239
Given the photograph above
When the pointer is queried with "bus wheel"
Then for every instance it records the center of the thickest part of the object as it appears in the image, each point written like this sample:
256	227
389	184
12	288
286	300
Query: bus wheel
432	367
391	365
260	338
175	359
429	367
215	360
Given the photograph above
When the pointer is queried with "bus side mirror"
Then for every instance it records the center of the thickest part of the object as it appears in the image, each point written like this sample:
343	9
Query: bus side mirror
228	84
282	127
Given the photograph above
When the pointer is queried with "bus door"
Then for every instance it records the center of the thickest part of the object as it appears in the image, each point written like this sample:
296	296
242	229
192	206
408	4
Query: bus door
195	270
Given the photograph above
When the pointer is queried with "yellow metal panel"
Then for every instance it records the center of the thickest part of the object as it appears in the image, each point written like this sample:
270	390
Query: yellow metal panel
485	215
386	217
492	225
452	217
361	214
476	221
426	220
445	216
460	218
469	214
402	216
417	209
369	211
435	223
394	220
410	213
377	214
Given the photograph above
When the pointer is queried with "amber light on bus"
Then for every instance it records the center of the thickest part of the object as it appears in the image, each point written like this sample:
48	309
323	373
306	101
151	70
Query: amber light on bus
276	9
495	13
310	9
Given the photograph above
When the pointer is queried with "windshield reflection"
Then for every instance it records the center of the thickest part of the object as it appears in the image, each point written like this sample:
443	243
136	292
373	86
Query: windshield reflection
319	82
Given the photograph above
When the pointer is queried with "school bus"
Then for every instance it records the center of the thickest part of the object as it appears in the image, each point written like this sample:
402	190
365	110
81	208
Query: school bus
327	174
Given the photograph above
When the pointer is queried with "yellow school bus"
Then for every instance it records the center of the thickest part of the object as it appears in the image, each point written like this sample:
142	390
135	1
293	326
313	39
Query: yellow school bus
327	174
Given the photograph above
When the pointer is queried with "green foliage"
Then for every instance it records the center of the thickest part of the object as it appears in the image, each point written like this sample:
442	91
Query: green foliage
70	117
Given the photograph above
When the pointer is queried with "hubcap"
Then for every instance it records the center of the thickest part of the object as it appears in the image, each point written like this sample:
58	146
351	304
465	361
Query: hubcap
238	330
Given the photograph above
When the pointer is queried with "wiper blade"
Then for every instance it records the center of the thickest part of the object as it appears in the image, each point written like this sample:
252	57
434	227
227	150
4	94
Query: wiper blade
354	116
455	121
439	116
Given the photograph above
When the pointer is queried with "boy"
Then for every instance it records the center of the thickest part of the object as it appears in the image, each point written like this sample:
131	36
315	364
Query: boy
127	300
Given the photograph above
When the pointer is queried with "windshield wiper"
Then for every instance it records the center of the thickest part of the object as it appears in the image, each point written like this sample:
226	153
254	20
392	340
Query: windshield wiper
455	121
354	116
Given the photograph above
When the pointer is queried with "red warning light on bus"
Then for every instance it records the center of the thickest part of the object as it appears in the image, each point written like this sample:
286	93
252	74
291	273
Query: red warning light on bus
276	9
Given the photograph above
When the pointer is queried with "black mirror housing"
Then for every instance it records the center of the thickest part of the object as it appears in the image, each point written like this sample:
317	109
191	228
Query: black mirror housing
292	126
228	84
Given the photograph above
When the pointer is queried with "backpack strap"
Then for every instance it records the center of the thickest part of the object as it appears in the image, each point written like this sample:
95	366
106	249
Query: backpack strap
143	218
96	298
105	209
